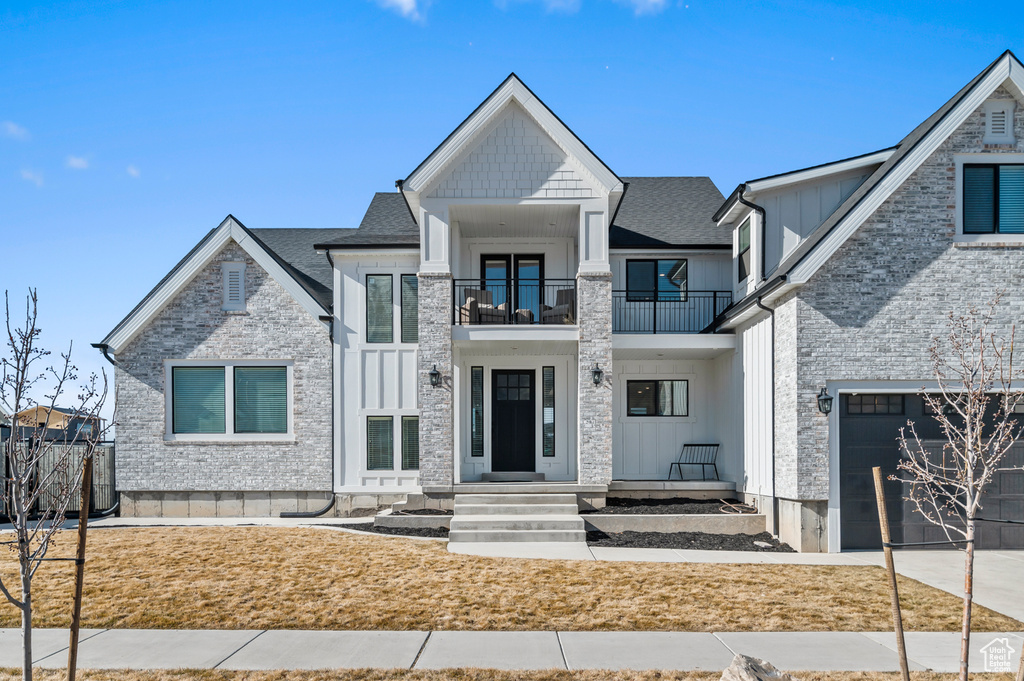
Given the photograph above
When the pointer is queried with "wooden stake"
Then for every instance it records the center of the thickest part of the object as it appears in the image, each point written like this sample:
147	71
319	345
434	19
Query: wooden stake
83	524
897	617
1020	670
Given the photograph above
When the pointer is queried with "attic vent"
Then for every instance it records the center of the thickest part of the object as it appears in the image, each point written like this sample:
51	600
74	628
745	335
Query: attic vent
999	121
234	285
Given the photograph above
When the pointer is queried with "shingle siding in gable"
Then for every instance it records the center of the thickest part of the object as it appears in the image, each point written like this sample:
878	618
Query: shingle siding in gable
517	159
871	312
193	326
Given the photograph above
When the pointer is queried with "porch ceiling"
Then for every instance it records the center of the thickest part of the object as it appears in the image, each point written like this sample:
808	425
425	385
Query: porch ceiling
672	346
509	221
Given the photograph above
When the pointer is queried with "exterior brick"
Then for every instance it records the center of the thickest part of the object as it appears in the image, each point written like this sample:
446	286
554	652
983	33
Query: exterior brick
873	309
437	435
594	317
193	326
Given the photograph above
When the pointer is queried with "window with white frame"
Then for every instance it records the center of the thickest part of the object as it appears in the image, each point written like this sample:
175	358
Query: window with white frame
658	398
993	198
229	400
743	254
233	275
380	443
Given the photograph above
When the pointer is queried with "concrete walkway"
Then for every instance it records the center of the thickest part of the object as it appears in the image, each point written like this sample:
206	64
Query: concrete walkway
683	651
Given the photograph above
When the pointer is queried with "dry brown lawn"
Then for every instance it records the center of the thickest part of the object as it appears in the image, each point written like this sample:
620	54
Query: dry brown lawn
319	578
460	675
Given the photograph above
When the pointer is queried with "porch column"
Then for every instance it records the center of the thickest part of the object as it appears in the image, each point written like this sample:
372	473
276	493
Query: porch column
437	443
594	316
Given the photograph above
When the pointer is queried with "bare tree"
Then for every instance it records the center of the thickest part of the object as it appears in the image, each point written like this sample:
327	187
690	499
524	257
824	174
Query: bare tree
42	473
978	389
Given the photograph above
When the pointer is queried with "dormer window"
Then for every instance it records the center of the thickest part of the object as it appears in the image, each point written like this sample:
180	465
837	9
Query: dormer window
999	121
744	250
993	198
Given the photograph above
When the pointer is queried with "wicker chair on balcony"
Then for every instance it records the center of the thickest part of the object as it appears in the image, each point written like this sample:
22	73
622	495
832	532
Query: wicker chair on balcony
564	311
479	308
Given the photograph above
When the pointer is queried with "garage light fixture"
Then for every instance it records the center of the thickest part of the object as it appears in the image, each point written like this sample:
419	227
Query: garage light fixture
824	402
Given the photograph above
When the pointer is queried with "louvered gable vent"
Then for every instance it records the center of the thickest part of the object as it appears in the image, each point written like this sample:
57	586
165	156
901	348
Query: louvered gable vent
999	121
234	286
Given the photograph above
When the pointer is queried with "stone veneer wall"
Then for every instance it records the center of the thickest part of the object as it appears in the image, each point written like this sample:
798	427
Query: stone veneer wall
594	316
437	441
871	312
193	326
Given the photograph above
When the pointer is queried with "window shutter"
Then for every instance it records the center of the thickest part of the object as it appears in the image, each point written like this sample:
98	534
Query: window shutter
261	400
380	443
197	399
379	308
1011	199
410	308
234	285
979	199
410	443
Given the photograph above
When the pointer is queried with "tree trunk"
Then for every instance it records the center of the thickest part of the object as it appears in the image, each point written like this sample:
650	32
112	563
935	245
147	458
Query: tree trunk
965	633
26	628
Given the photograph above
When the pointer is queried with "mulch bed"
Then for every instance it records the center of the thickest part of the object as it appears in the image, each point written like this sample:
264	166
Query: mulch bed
688	540
677	506
400	531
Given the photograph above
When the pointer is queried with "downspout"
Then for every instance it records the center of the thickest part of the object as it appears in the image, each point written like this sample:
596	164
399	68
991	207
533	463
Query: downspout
775	499
105	349
764	229
330	504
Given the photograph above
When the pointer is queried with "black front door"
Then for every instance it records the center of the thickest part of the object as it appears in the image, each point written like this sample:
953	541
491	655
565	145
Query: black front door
513	418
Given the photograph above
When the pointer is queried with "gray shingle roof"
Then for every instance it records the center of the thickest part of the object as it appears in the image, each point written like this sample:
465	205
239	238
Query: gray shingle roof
293	250
668	211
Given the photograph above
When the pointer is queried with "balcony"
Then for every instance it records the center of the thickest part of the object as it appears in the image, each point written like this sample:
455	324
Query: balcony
650	312
524	302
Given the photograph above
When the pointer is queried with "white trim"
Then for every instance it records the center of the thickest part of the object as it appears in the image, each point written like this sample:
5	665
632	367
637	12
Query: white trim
513	89
995	238
1006	69
819	172
228	436
228	230
511	332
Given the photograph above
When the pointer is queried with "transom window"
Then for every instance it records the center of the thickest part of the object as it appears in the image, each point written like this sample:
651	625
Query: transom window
657	398
649	280
874	404
993	197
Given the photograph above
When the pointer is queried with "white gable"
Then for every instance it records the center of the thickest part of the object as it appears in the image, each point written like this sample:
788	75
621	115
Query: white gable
516	160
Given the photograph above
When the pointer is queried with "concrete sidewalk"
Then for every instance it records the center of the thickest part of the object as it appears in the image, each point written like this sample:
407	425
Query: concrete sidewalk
683	651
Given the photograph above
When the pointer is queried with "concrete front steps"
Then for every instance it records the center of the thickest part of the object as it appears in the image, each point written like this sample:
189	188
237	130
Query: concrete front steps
516	518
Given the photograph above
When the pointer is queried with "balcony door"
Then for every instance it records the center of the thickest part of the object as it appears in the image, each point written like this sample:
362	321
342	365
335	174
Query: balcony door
515	279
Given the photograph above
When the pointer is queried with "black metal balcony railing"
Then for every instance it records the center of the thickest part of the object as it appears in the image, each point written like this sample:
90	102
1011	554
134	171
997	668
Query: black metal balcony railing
514	301
644	312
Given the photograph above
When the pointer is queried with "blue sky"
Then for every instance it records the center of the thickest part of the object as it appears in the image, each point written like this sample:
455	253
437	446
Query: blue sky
128	130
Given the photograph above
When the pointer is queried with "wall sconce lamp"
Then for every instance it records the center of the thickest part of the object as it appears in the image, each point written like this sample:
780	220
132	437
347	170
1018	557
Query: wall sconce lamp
435	377
824	402
597	374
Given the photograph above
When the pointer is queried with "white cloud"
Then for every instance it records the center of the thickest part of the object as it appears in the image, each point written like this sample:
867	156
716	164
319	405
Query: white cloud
645	6
133	171
15	131
33	177
77	162
410	9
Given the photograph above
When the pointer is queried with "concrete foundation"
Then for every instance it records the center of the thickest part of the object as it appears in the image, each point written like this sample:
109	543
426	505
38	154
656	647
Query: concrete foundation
248	504
804	525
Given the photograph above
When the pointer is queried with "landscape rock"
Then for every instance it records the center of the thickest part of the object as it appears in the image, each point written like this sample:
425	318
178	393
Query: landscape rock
763	545
746	668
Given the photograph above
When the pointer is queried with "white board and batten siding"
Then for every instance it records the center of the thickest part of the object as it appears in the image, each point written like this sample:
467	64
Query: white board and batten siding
373	379
797	210
644	446
755	351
